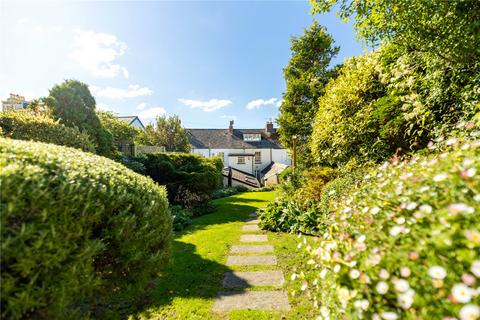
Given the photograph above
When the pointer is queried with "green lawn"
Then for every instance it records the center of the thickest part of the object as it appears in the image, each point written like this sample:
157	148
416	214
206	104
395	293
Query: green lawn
188	286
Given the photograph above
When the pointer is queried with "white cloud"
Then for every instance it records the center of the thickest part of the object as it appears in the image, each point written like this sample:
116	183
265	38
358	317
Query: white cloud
152	113
132	91
255	104
279	103
207	106
141	106
97	52
226	116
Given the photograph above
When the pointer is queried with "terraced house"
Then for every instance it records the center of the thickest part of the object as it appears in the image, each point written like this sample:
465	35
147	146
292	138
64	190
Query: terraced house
252	157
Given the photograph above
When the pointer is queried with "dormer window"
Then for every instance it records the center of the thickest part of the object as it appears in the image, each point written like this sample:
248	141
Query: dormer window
252	137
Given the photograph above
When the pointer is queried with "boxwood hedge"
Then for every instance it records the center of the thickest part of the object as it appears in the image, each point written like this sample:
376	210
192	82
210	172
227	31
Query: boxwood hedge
26	126
76	228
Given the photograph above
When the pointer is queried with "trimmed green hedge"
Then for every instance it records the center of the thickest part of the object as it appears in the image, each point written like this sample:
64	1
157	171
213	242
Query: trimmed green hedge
26	126
190	179
76	229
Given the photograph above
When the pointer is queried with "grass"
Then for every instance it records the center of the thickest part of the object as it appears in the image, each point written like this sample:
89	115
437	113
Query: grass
188	286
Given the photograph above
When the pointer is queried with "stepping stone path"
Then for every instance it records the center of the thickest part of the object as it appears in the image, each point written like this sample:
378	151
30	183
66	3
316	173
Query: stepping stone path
269	299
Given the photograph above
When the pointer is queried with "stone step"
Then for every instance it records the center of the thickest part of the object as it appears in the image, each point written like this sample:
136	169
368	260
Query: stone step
251	227
253	238
251	260
254	300
253	221
251	249
255	278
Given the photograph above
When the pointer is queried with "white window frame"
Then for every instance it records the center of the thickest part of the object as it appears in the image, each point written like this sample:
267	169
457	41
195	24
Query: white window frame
241	160
259	158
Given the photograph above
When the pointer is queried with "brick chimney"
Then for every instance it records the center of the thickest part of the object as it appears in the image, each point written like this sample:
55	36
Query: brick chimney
269	127
230	127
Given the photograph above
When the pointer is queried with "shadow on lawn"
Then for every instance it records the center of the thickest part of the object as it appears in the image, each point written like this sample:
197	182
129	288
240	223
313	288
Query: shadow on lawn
189	275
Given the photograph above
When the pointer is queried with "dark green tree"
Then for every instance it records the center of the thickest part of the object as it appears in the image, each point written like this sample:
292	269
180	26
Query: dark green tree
167	132
306	75
72	103
449	29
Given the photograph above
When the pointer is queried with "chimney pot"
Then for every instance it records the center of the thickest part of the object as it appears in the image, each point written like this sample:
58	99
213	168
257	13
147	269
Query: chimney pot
269	127
230	127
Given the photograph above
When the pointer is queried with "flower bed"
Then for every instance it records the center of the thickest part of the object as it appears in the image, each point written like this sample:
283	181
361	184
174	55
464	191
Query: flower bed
404	245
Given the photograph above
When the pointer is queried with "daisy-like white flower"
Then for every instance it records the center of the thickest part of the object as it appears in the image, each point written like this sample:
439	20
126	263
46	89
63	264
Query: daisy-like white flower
293	277
304	286
354	274
375	210
473	235
425	208
383	274
460	208
461	293
381	287
469	312
361	304
395	230
470	172
475	268
336	268
389	316
411	206
361	238
405	272
405	300
323	273
437	272
440	177
400	220
401	285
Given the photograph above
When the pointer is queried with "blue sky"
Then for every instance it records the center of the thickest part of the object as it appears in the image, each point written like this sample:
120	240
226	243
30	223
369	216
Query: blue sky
207	61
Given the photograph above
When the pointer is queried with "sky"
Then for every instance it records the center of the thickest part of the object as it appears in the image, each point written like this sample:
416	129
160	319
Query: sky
207	61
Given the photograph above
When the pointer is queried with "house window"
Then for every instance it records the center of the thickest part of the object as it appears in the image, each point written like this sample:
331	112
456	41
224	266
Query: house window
241	160
258	157
252	137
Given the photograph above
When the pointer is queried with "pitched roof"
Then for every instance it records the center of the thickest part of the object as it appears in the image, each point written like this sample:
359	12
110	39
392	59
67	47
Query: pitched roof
242	177
273	169
130	119
223	139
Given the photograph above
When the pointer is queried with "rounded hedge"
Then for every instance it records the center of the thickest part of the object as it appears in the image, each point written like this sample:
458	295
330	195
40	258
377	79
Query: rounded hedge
76	228
26	126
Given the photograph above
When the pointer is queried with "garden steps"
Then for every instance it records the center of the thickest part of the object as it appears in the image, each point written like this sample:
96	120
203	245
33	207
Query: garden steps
268	300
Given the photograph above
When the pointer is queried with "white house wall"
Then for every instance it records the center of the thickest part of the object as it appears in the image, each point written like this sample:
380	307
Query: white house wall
268	155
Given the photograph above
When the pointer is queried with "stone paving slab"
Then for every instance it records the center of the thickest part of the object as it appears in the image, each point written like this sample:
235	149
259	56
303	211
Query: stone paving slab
251	260
251	227
251	249
250	279
254	300
253	238
253	221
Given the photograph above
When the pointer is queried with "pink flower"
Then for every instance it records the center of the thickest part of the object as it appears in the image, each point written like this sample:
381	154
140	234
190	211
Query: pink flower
468	279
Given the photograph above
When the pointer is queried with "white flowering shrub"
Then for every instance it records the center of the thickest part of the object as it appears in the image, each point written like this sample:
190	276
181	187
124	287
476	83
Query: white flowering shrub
404	245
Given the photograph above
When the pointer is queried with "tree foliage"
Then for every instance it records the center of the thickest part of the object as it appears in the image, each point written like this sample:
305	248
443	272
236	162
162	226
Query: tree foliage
72	103
448	29
167	132
122	132
306	76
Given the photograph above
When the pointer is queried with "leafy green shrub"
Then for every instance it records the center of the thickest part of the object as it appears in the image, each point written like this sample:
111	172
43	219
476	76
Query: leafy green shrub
389	101
133	163
224	192
121	131
26	126
190	179
404	244
240	188
182	217
315	180
76	229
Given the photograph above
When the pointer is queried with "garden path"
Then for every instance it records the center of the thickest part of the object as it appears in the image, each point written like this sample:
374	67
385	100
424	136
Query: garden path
264	285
